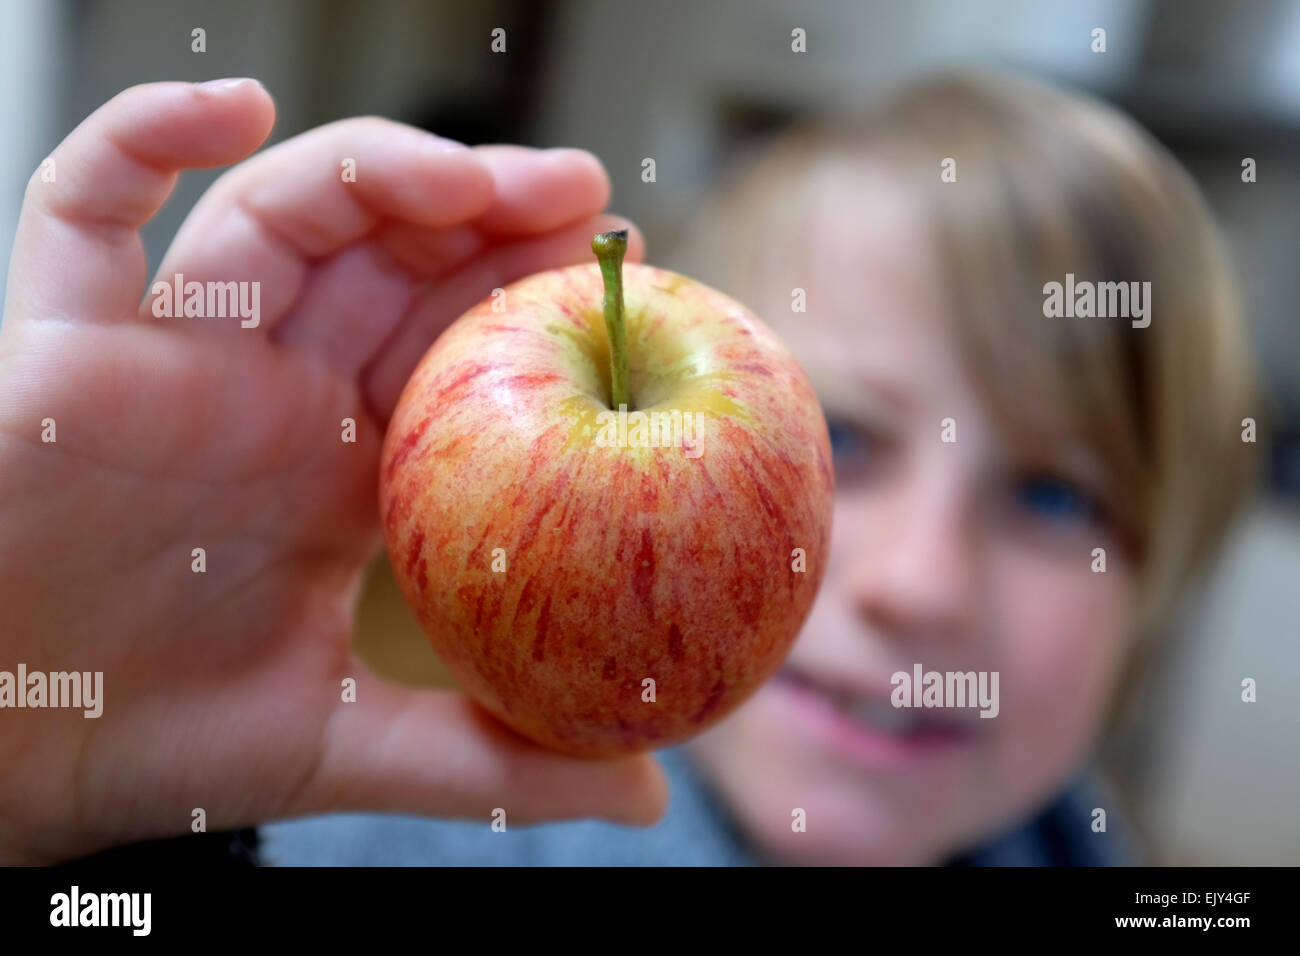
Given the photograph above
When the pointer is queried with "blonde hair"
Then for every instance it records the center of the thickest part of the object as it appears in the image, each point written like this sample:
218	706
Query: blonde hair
1048	183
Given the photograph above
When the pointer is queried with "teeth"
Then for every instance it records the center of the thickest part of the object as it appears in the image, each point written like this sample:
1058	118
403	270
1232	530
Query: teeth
878	714
883	716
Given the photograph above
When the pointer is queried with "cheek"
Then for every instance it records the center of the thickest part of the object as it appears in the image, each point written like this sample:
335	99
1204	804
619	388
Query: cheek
1060	645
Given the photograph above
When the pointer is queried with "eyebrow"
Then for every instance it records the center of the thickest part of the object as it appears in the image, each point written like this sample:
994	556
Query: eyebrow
892	392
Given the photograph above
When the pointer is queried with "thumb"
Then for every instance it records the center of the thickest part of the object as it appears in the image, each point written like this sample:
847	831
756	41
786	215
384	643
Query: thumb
434	753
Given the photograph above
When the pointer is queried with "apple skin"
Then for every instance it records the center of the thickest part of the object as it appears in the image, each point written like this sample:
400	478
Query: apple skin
622	563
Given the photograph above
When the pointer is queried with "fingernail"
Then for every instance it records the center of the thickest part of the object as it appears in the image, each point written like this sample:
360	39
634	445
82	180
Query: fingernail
568	153
448	145
227	84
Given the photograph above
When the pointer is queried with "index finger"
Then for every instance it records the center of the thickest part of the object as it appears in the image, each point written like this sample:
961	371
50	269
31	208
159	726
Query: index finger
309	197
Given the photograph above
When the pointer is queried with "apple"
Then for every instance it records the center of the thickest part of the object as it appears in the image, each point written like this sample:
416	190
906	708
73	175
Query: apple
609	547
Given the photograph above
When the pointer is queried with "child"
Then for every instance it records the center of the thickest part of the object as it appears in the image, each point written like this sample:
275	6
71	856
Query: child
922	237
926	236
1018	493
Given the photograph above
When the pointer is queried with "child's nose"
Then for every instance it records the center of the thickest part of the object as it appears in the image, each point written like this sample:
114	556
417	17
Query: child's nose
914	571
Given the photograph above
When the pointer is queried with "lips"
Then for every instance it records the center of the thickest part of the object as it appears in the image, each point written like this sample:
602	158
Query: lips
865	726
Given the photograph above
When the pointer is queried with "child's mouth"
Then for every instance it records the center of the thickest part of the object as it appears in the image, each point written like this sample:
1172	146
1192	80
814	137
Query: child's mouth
867	728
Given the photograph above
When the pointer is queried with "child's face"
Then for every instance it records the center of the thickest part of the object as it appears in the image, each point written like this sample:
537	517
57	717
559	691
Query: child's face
958	556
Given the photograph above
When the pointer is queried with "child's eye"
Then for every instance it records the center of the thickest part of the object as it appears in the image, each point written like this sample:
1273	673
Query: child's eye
842	438
1055	499
851	448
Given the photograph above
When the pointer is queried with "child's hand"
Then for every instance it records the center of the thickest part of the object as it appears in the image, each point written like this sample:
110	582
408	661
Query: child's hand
222	689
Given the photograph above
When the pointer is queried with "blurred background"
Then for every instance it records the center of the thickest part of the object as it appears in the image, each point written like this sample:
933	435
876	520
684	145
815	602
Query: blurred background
699	85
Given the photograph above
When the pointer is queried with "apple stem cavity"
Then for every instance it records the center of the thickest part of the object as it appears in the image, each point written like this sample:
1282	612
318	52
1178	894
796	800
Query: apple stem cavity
610	248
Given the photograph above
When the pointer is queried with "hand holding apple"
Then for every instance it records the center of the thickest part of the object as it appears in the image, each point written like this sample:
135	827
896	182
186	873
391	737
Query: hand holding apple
602	579
223	689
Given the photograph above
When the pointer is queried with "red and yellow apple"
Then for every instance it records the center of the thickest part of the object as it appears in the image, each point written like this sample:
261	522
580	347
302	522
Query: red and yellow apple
597	590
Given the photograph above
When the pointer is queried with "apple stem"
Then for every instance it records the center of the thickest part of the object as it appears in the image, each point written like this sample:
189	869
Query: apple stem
610	247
